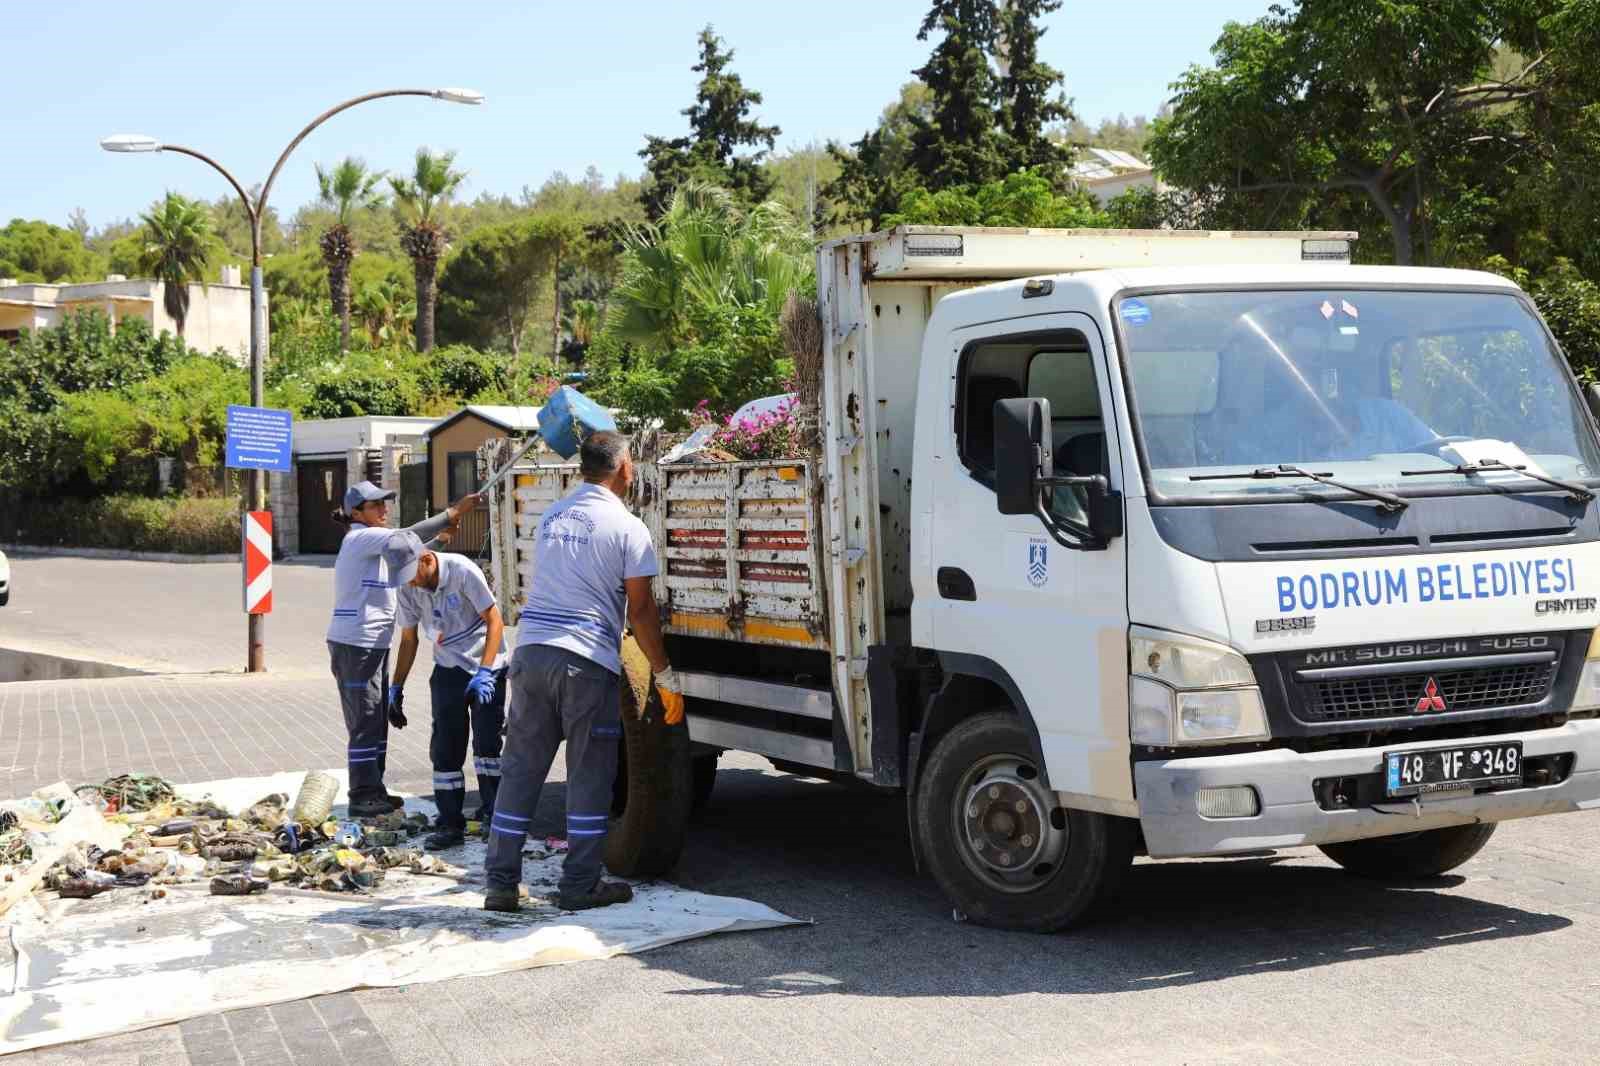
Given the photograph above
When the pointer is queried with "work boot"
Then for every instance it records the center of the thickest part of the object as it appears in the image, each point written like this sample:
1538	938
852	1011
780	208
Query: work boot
445	836
603	894
501	899
370	807
395	802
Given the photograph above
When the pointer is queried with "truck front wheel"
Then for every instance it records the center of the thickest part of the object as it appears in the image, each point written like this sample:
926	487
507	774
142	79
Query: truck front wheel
1411	855
996	840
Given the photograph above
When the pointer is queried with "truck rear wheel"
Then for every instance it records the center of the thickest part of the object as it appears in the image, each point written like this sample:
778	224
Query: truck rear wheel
1411	855
654	789
996	840
704	775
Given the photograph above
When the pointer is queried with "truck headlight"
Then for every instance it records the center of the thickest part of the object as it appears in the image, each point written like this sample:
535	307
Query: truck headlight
1188	691
1587	698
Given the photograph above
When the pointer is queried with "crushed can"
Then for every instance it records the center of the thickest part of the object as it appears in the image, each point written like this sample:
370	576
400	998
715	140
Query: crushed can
349	834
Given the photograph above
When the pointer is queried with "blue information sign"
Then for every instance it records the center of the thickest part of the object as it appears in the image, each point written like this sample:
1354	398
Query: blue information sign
259	438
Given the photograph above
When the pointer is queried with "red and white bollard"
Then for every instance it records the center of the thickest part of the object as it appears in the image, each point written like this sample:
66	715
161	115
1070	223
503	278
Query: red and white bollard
258	562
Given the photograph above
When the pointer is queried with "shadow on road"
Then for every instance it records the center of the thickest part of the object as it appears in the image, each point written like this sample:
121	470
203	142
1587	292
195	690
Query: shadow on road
840	855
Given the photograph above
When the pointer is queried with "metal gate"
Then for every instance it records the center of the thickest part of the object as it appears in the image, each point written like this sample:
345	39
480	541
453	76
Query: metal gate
413	493
472	538
321	485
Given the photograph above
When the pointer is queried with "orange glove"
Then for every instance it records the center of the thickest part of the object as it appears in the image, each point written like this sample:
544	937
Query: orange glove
670	689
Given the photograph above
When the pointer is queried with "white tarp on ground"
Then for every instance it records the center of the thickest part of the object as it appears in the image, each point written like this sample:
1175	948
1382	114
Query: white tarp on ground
122	961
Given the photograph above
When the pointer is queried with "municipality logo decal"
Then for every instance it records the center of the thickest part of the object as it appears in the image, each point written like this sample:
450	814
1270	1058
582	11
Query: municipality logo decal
1038	562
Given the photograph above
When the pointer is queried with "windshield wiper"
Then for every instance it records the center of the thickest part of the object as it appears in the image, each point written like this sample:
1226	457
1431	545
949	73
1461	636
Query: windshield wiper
1575	490
1387	501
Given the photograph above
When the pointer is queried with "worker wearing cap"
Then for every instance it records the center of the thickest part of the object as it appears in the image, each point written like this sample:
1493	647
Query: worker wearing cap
593	562
364	596
447	598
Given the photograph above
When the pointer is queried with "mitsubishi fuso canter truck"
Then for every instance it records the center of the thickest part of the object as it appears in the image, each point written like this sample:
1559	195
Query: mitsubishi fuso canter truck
1117	543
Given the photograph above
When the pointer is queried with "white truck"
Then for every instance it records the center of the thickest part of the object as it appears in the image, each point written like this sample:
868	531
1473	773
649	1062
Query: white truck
1118	543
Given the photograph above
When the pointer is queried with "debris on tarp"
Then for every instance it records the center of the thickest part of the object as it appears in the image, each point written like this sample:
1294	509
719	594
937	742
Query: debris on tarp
230	935
167	839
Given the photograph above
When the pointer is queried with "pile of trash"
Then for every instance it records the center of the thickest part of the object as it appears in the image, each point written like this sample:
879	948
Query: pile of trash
170	840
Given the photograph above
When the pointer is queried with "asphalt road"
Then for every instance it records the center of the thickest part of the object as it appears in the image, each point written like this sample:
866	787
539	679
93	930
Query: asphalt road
1277	958
166	617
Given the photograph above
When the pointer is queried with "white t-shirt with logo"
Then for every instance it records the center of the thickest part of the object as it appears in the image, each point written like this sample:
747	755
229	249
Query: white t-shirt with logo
587	545
450	617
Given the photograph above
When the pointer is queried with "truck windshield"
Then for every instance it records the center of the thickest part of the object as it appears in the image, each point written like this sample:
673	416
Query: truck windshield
1372	388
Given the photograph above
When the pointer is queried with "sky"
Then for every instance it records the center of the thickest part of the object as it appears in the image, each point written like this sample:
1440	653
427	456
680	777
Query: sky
568	85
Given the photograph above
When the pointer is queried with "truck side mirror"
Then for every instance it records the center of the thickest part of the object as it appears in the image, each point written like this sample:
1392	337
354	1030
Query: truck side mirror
1021	457
1591	394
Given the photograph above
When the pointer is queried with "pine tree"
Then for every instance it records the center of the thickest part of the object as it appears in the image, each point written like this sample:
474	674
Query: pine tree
959	144
1030	93
719	125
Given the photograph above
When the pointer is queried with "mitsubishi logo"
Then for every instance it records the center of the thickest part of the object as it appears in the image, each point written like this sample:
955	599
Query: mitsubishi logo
1431	700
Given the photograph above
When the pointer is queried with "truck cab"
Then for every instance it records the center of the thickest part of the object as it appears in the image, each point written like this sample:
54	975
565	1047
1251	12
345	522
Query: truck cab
1125	543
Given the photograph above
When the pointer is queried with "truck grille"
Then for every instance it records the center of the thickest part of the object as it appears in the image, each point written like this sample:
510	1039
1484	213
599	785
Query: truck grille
1397	696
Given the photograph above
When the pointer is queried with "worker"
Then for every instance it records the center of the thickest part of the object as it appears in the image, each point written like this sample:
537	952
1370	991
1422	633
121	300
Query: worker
593	562
358	637
447	598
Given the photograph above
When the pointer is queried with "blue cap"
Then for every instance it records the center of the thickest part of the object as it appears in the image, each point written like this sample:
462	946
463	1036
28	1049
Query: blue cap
400	554
363	492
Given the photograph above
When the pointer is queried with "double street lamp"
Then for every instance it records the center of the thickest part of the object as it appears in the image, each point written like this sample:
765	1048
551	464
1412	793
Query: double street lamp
256	210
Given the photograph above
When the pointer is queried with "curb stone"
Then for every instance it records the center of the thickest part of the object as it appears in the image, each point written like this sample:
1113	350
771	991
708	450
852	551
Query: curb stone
23	550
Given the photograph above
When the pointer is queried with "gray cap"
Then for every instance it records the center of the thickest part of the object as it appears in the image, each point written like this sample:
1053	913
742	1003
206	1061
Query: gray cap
363	492
400	554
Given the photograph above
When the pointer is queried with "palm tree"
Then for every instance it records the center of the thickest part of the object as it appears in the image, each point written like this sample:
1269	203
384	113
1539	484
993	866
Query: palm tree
385	312
706	256
348	186
420	199
177	239
582	323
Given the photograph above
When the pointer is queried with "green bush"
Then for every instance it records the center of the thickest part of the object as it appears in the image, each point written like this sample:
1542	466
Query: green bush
129	523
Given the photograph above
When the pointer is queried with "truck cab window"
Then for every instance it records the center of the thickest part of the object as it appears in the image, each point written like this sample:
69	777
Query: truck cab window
1058	368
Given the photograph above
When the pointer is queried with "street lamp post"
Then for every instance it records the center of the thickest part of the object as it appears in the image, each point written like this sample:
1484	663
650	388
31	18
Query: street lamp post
256	499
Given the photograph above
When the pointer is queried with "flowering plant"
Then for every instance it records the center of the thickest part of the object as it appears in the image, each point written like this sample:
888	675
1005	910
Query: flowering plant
770	434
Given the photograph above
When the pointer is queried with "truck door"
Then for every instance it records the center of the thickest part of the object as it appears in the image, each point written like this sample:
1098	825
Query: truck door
1013	603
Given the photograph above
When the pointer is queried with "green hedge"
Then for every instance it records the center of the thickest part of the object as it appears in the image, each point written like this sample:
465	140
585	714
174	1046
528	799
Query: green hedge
129	523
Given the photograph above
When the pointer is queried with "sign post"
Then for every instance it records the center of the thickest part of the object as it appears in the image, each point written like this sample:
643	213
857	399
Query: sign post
259	439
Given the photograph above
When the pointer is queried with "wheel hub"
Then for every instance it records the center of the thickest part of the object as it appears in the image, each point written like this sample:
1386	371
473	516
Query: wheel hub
1007	823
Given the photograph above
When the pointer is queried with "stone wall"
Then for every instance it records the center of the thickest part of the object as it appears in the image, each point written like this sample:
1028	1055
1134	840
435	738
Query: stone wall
283	500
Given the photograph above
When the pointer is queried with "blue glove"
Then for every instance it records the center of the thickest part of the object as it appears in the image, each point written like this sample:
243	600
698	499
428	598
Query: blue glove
480	689
397	716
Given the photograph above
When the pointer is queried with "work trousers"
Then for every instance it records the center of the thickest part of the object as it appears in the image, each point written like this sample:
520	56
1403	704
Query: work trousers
453	717
556	694
363	676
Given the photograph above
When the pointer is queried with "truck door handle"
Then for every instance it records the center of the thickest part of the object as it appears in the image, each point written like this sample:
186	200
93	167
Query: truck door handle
956	584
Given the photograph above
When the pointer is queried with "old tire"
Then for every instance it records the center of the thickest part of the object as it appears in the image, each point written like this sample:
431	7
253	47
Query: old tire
704	778
654	790
1005	854
1411	855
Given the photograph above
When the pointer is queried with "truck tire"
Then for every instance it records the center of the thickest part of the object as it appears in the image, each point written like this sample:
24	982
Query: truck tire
1411	855
704	774
654	789
1005	854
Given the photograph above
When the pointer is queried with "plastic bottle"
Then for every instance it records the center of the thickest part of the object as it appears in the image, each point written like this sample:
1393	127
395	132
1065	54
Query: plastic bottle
315	801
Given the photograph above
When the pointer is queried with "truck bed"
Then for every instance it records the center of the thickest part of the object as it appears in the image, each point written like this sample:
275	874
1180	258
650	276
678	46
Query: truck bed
737	544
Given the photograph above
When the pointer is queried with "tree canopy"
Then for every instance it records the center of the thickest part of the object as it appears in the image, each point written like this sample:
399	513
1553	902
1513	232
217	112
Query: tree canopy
721	123
1374	111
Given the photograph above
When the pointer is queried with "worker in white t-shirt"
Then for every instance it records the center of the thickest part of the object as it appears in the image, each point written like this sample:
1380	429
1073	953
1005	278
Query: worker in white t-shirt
593	564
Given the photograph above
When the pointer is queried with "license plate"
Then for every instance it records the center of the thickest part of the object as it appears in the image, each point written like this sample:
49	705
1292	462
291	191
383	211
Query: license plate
1413	773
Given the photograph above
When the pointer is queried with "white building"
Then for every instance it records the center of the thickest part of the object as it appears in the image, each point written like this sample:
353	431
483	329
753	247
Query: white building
219	312
1107	173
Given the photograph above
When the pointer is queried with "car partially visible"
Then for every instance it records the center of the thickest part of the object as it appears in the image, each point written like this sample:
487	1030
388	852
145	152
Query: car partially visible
5	579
